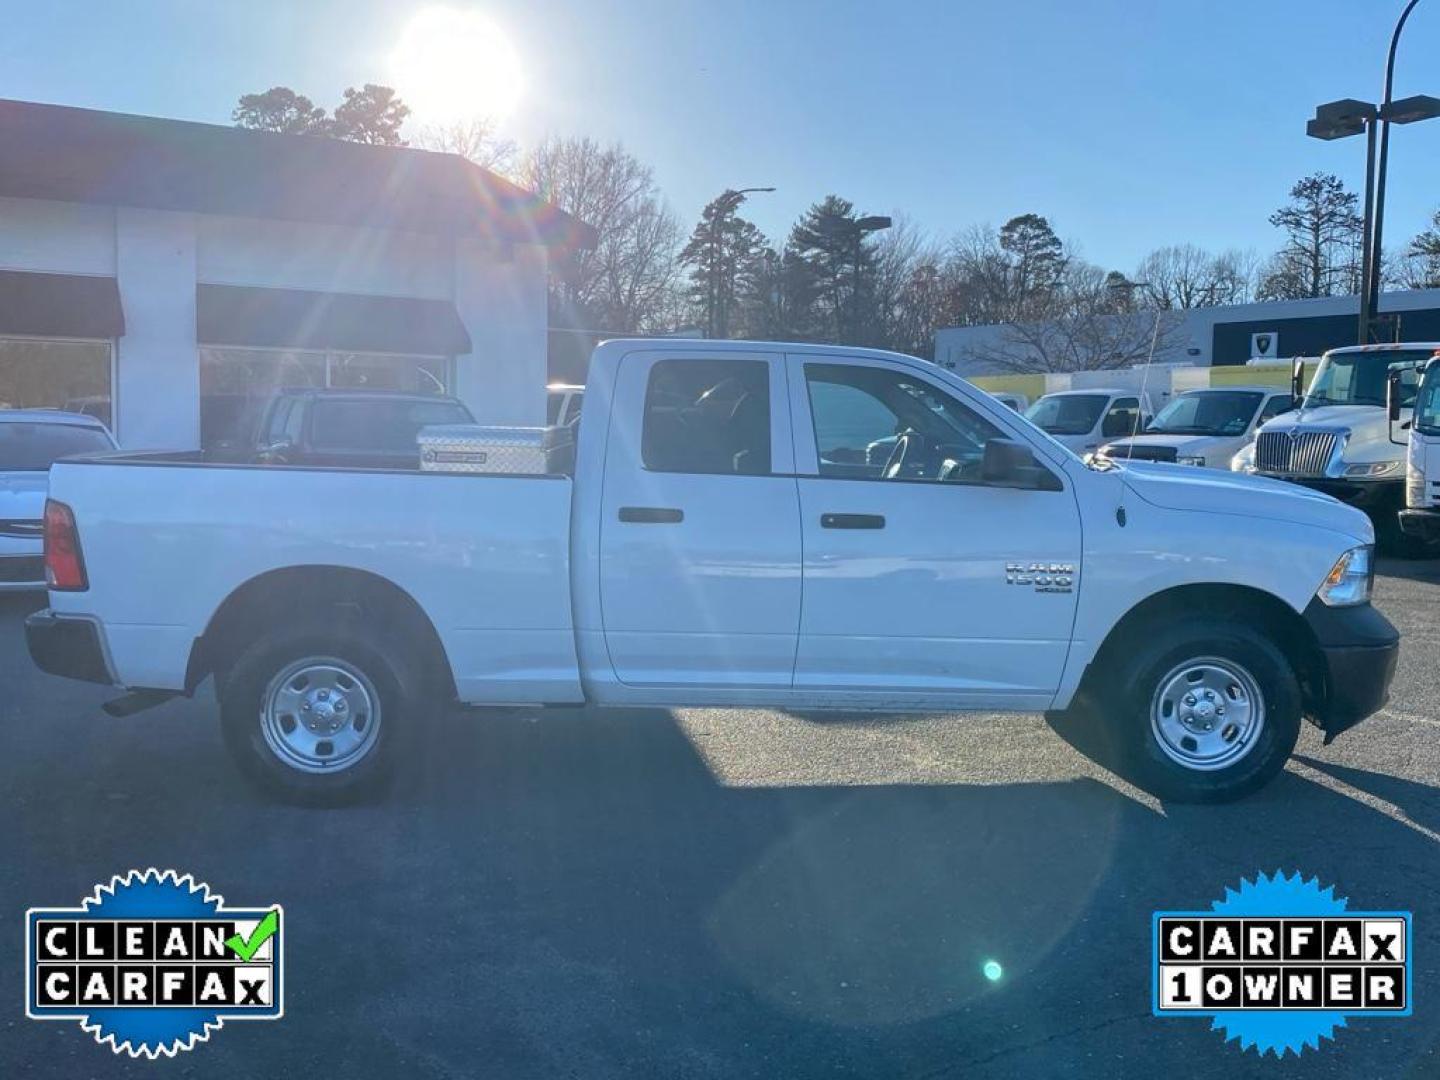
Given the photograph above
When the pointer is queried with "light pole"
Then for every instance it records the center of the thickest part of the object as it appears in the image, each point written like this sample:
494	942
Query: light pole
725	205
1340	119
863	226
1128	286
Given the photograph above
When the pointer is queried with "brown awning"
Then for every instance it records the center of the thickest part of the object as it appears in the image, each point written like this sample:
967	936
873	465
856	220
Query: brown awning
296	319
60	305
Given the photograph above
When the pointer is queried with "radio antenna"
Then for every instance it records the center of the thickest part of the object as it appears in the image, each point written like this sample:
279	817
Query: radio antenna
1144	376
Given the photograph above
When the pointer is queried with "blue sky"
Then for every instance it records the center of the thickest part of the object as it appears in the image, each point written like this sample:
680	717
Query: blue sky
1128	124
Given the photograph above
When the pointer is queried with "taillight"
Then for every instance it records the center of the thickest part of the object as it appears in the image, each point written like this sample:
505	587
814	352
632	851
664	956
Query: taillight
64	565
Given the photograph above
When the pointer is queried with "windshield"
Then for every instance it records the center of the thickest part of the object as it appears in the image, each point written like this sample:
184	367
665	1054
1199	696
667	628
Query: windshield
1427	403
1068	414
1226	412
1359	378
32	447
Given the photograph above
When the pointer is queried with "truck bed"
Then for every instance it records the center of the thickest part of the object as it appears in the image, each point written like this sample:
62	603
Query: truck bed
166	537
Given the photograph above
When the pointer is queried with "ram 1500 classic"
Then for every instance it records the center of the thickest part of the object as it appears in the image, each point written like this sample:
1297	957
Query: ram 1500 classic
727	539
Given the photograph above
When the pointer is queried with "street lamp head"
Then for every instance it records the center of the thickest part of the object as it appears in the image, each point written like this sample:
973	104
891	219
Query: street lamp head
1340	119
1409	110
873	224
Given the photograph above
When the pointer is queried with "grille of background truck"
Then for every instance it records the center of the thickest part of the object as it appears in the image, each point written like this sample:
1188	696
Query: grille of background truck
1300	453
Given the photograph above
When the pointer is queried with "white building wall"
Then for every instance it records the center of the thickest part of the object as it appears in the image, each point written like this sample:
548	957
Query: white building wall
502	302
157	385
158	257
323	258
56	237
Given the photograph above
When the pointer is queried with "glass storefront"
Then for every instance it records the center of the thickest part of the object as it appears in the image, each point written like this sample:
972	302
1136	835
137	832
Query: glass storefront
235	382
37	373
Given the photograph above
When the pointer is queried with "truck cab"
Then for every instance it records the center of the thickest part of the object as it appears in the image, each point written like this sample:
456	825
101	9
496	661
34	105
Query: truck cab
1081	420
1421	517
1340	439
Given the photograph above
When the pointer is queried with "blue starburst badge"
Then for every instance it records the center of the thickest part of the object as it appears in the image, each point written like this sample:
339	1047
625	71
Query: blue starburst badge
152	963
1280	963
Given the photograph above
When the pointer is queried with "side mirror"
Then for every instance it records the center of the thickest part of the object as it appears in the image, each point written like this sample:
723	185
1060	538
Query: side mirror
1008	463
1392	405
1297	379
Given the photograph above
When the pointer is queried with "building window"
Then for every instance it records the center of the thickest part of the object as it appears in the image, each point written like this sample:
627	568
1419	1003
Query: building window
236	382
43	373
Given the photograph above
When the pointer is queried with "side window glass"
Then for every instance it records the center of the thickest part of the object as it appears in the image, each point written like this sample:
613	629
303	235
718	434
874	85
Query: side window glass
707	416
1122	419
1282	403
876	424
278	420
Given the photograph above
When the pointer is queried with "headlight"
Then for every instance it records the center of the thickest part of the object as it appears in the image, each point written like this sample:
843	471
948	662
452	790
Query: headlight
1244	459
1350	579
1189	459
1370	470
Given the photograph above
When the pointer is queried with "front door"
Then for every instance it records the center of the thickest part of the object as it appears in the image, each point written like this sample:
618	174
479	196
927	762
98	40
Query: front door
921	582
700	523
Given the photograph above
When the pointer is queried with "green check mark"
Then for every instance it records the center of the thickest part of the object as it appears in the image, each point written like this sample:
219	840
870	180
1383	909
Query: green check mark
261	934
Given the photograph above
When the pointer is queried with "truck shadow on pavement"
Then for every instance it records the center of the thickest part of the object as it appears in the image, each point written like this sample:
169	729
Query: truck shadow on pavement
572	892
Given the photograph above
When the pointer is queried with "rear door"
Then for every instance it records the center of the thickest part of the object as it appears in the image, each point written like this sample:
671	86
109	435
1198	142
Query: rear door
922	582
700	523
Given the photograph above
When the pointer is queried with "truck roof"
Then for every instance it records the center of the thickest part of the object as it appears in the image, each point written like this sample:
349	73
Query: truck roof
48	416
1396	346
714	345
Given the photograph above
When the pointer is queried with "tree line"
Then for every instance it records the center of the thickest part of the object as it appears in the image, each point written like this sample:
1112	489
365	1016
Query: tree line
840	275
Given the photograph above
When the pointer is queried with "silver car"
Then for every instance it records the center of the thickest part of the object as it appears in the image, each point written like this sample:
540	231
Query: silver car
30	441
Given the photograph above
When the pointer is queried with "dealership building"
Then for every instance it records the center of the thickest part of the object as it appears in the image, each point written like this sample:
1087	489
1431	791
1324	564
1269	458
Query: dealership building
167	275
1221	336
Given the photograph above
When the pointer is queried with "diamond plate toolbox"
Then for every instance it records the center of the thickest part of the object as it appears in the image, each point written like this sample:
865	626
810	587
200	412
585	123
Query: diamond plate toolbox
475	448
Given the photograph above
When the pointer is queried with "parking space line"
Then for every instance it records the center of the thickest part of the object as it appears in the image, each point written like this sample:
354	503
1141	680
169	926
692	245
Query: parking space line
1389	809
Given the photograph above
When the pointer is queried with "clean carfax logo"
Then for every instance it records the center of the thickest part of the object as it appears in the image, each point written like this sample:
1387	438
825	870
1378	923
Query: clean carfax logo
1280	963
153	962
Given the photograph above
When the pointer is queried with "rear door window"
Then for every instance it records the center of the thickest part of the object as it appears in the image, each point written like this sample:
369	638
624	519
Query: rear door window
707	416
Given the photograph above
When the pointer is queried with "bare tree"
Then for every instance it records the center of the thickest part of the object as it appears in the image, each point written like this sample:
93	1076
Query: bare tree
1321	256
1092	325
626	284
475	140
1183	276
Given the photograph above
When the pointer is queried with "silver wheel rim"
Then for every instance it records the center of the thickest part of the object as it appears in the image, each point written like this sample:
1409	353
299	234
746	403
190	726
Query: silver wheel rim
320	715
1207	713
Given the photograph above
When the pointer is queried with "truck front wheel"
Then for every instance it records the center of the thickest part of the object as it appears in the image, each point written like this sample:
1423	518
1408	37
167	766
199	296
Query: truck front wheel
316	715
1208	710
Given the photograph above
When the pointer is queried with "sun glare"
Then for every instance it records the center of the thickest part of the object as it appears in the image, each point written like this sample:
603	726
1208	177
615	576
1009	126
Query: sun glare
450	66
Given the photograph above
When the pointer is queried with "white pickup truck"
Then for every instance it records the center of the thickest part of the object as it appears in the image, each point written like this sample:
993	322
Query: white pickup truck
727	539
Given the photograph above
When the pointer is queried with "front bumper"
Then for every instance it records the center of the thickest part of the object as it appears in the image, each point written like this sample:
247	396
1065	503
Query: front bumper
1373	496
67	646
1358	651
1423	524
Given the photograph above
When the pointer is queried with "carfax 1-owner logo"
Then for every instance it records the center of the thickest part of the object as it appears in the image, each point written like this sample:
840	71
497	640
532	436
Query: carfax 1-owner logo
1281	963
154	962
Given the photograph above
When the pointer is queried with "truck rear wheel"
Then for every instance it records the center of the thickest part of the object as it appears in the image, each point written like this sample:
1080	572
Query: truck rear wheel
1208	710
317	715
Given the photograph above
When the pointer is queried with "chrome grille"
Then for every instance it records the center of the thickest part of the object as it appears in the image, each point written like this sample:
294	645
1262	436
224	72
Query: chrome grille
21	527
1294	453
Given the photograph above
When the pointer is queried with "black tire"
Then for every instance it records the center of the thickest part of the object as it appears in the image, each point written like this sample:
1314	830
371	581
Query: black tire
1136	679
393	674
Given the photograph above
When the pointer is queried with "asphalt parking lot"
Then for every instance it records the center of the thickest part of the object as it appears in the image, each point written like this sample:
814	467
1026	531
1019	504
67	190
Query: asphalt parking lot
720	894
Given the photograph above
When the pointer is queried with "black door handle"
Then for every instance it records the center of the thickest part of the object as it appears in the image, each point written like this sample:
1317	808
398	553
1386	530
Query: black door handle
852	521
651	515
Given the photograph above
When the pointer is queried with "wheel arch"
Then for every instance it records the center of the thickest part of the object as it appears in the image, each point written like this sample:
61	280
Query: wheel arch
281	593
1289	630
